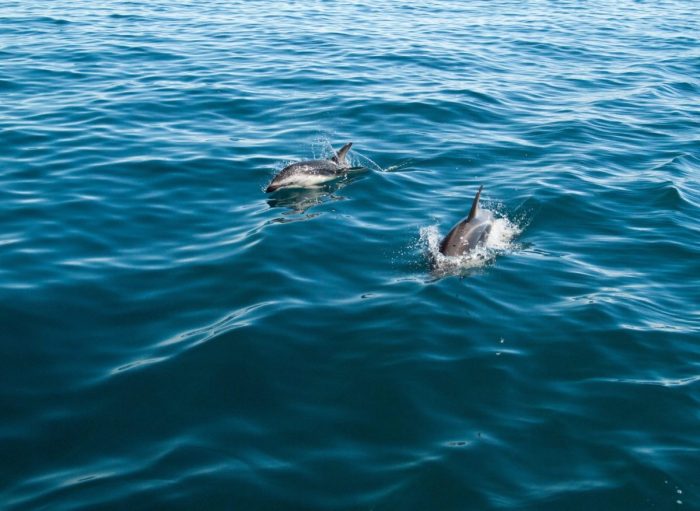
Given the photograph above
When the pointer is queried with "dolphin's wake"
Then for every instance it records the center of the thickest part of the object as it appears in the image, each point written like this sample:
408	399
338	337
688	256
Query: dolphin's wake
500	241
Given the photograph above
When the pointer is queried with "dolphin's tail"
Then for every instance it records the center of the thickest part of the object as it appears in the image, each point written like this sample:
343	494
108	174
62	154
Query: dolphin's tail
339	158
475	204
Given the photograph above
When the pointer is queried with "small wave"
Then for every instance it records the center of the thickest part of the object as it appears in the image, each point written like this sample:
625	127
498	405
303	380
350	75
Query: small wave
663	382
500	241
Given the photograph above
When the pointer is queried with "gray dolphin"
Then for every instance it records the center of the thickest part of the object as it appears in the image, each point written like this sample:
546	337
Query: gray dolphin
469	232
311	172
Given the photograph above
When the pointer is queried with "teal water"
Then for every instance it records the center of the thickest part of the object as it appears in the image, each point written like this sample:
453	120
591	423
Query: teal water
171	337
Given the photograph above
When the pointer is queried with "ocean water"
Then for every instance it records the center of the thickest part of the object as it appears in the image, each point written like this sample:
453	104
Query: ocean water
171	337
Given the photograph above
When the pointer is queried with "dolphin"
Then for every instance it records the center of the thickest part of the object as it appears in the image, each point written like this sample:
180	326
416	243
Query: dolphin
311	172
469	232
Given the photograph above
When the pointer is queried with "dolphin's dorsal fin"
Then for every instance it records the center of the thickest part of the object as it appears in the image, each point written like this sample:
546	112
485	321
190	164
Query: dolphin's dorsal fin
475	205
339	158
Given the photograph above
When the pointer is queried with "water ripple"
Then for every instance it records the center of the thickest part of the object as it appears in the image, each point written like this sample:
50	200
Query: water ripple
173	337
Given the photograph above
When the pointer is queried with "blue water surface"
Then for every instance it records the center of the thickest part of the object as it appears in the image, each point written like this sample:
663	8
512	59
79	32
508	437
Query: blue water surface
171	337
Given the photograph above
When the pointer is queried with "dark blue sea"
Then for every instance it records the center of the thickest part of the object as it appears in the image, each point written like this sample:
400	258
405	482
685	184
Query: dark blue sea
173	337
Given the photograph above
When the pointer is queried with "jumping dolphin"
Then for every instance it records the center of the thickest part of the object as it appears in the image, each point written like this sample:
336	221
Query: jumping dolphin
469	231
311	172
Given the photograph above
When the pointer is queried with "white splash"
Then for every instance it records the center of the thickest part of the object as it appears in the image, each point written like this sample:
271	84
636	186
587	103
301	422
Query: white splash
500	241
324	149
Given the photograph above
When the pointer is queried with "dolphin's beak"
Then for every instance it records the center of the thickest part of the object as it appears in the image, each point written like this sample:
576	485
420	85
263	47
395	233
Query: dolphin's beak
271	188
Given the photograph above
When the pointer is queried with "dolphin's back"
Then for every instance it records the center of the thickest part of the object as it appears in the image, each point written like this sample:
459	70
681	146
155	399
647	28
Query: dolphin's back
467	235
469	232
311	172
324	167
